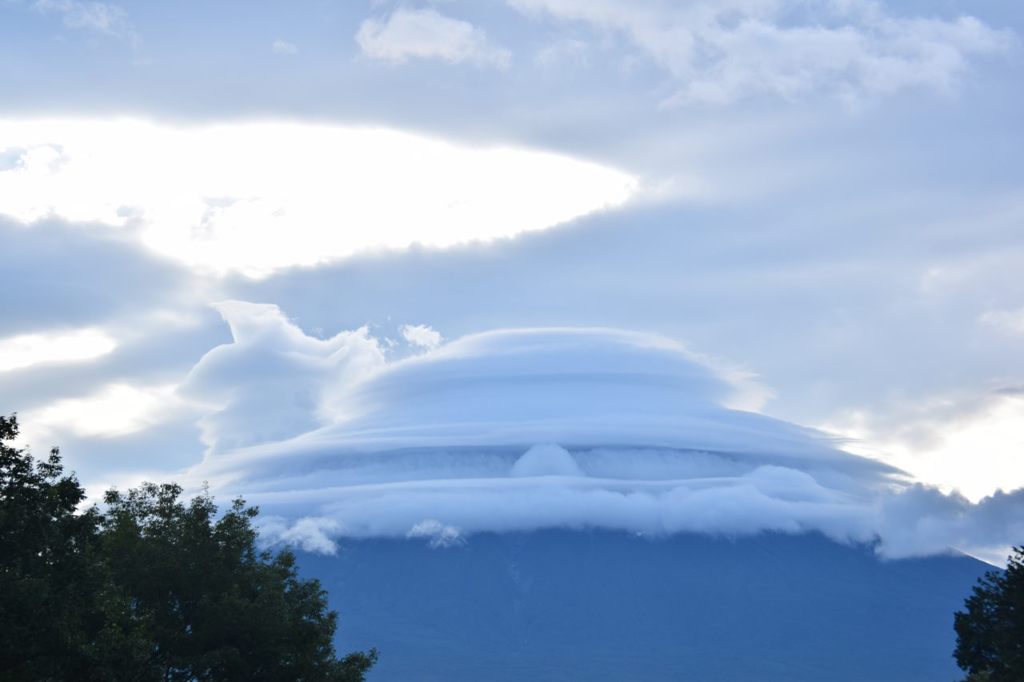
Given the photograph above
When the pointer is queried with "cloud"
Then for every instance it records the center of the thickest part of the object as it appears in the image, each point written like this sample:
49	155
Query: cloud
97	17
115	410
307	534
1007	321
26	350
865	303
719	52
283	47
547	428
438	534
546	460
567	51
973	442
421	335
58	275
272	381
256	197
922	518
426	34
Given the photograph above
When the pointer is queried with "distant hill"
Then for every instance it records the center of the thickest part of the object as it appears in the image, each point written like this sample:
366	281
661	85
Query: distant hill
600	605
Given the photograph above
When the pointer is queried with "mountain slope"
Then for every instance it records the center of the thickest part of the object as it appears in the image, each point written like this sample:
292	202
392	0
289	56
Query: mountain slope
601	605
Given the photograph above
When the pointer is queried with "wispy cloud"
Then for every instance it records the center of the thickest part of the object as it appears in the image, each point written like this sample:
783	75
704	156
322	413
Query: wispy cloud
421	335
719	52
97	17
1007	321
427	34
283	47
566	51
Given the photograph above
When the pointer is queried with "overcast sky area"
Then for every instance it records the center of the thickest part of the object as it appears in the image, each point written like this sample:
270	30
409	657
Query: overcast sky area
238	238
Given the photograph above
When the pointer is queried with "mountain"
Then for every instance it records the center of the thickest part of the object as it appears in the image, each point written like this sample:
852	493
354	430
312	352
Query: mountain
605	605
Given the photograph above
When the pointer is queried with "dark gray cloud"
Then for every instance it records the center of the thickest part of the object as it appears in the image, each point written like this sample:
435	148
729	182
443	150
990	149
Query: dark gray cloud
60	275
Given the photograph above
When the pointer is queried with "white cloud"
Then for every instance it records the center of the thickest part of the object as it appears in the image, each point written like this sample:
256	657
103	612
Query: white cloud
255	197
721	51
284	47
422	335
557	428
973	444
438	534
98	17
1006	321
308	534
426	34
26	350
272	381
115	410
546	460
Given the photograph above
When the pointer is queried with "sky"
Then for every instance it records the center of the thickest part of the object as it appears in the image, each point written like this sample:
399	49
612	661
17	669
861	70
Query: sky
247	242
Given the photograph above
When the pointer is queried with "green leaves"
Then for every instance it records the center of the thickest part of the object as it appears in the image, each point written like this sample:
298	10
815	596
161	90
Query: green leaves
990	632
48	565
153	588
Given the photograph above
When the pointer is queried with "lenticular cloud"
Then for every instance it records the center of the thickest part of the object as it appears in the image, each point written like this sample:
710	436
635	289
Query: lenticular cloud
539	428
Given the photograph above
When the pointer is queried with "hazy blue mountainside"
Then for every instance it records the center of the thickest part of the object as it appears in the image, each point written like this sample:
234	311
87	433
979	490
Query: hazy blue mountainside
557	605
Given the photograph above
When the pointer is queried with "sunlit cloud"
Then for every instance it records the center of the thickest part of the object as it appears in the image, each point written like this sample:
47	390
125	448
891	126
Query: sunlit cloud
115	410
25	350
256	197
975	452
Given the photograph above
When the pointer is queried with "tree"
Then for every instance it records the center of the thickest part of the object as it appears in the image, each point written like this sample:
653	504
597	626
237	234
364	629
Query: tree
154	588
990	632
49	581
217	608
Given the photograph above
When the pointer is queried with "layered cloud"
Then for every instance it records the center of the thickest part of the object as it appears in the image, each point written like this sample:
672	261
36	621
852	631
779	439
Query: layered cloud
525	429
256	197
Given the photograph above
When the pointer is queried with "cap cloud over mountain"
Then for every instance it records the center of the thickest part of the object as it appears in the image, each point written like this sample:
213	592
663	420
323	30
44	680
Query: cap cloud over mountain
525	429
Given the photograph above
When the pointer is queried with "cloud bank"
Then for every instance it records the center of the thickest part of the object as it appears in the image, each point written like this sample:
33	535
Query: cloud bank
539	428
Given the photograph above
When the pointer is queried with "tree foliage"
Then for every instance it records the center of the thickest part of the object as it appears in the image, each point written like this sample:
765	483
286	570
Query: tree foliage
990	631
154	587
49	581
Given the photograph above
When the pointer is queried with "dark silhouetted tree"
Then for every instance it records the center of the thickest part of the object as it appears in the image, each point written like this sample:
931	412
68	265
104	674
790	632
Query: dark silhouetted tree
990	631
50	580
154	588
216	606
